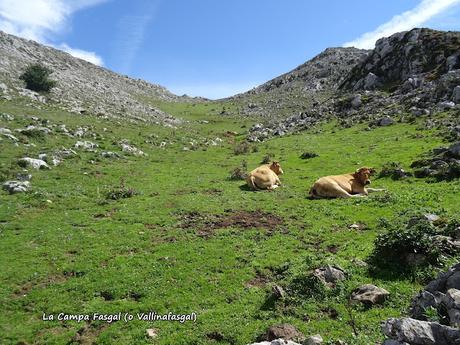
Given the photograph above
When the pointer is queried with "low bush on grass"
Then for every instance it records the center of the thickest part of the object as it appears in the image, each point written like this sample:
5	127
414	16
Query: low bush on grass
121	192
308	155
414	243
239	173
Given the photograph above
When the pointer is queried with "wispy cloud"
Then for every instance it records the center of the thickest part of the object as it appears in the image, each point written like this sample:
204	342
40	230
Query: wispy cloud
212	90
419	15
39	20
132	28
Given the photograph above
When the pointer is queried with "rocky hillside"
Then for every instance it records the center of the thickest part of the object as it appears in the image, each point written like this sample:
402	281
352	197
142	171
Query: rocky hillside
304	87
81	86
414	73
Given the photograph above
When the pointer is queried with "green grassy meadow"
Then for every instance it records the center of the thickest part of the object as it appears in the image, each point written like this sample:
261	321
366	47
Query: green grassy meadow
65	247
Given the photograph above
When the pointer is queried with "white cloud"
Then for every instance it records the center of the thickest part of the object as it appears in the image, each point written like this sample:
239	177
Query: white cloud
82	54
39	20
212	90
419	15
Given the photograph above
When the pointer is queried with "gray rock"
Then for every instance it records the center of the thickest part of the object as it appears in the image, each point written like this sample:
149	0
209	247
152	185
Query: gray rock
394	342
330	275
370	294
283	331
385	121
314	340
454	151
131	149
420	332
34	163
278	292
456	94
371	81
86	145
452	303
424	301
276	342
356	102
14	187
109	154
446	105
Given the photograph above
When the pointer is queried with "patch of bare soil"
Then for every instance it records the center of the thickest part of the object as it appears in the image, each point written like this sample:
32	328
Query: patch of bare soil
87	334
25	289
205	224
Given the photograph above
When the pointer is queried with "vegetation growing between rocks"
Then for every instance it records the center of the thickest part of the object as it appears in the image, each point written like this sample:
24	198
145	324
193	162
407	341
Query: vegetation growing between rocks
36	78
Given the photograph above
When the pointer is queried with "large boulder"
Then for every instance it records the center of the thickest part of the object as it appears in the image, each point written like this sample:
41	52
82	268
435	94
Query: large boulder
416	332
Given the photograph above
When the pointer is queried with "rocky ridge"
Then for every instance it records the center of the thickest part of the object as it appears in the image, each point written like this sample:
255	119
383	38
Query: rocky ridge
82	87
408	75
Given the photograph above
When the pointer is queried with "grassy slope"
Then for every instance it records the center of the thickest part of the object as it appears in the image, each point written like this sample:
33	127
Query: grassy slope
69	254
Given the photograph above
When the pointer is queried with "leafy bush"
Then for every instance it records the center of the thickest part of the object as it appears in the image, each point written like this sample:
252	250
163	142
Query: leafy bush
413	243
36	78
121	192
239	173
308	155
267	159
243	148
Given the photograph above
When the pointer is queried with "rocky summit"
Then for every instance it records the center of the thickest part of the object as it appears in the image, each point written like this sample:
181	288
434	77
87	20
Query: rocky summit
82	87
416	72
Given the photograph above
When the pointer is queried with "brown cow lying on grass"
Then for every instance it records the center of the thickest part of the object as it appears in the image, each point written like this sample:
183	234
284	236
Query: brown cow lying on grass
344	186
265	177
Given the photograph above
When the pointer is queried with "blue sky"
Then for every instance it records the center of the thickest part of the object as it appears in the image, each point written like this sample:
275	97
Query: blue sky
214	48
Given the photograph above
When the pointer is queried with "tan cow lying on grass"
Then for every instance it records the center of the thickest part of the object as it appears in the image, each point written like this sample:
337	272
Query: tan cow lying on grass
344	186
265	177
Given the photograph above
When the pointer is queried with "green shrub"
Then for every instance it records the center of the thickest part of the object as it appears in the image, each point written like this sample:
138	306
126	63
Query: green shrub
239	173
121	192
36	78
242	148
410	244
308	155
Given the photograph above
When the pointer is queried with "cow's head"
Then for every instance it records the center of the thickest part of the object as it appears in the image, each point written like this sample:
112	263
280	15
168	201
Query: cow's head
363	175
276	167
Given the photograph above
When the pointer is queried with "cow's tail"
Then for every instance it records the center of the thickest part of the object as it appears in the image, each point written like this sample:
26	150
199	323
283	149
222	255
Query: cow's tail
251	182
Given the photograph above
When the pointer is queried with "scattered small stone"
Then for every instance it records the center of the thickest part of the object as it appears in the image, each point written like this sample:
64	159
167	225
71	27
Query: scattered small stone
152	332
370	294
278	292
314	340
86	145
109	154
283	331
330	275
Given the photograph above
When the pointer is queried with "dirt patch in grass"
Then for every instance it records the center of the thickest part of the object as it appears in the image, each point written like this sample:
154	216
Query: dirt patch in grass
26	288
205	224
87	334
258	281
